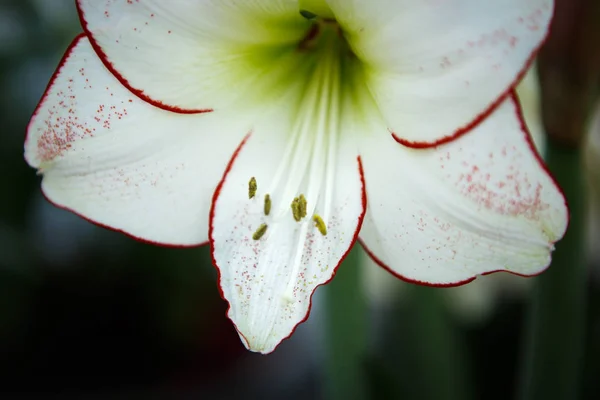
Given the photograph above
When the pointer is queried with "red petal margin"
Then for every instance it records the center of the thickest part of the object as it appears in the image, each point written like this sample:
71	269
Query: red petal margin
137	92
212	244
129	235
404	278
62	62
519	112
483	115
538	157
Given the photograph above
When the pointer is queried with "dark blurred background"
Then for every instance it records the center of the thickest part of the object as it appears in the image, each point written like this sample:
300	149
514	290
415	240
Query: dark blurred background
89	313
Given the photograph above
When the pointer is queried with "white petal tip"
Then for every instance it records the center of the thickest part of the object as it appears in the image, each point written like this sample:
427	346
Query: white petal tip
257	345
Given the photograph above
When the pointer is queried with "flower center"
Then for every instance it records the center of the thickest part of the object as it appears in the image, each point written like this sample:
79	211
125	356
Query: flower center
307	165
306	172
320	33
323	80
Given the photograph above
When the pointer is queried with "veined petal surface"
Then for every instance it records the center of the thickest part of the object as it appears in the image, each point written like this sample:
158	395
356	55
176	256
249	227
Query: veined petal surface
270	262
480	204
192	56
437	68
121	162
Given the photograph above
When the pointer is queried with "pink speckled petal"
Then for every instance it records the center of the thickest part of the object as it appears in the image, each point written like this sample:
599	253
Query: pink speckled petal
122	163
436	68
269	281
479	204
191	56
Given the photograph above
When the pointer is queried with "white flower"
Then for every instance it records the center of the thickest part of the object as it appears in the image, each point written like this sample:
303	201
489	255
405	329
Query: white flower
281	137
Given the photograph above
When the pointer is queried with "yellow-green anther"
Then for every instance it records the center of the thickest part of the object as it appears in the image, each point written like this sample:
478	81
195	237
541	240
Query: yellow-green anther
296	209
316	7
252	186
302	206
320	224
299	207
259	232
307	14
267	207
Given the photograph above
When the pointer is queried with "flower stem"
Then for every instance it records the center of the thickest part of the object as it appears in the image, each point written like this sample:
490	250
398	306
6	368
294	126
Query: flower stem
555	332
346	340
438	353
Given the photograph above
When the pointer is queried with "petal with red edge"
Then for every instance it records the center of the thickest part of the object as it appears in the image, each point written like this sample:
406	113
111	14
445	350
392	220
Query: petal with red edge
268	280
479	204
448	63
121	162
187	55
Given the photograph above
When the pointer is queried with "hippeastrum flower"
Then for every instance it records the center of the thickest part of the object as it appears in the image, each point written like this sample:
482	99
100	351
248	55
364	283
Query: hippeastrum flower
280	131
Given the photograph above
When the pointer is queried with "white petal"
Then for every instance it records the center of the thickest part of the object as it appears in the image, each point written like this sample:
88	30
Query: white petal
529	93
269	282
189	55
479	204
436	68
120	162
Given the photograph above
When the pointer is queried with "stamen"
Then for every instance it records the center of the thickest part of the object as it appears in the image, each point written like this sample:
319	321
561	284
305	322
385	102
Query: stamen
252	186
299	205
302	206
296	209
307	14
267	207
320	224
260	232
